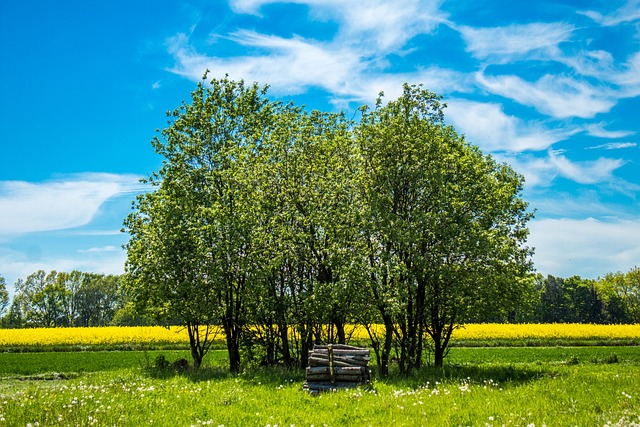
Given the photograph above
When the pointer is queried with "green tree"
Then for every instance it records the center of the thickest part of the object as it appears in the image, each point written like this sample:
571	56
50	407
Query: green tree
4	297
97	299
622	296
42	300
305	231
445	226
190	256
630	293
571	299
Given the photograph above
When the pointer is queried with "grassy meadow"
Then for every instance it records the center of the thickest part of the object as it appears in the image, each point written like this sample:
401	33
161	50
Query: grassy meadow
479	386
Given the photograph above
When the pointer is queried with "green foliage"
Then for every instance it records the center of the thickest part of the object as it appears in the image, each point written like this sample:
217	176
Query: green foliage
445	226
614	298
272	221
191	252
4	297
621	294
64	299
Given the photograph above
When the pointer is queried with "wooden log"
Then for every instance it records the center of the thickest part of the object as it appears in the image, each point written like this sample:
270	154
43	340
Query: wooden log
332	377
342	355
341	358
337	370
314	361
337	366
337	347
328	387
341	352
337	378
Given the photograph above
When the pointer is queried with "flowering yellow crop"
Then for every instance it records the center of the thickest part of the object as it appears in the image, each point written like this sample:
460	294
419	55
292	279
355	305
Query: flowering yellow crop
141	335
570	331
499	331
133	335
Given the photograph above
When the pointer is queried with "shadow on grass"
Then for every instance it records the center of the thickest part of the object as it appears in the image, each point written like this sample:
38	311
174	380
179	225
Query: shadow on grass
486	373
267	375
504	375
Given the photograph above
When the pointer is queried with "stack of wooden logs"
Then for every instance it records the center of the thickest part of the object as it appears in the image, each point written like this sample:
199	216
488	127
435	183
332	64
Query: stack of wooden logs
337	366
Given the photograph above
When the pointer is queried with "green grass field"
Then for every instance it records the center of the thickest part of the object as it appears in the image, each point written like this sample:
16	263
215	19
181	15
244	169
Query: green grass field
518	386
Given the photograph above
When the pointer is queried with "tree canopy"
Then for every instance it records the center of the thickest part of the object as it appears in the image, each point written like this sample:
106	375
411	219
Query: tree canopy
270	221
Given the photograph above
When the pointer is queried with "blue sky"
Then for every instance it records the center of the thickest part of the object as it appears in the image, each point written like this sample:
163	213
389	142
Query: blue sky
551	87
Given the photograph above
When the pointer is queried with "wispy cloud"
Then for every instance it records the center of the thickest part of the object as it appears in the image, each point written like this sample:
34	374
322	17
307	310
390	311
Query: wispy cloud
594	247
486	125
541	171
629	78
555	95
512	42
629	12
589	172
614	146
384	25
308	63
109	248
623	78
348	73
598	130
71	202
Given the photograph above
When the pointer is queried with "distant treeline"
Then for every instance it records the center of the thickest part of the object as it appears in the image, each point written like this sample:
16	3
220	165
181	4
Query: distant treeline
59	299
614	298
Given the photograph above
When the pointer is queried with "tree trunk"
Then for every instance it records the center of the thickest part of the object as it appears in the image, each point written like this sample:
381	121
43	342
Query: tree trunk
194	344
441	336
270	357
438	355
286	350
197	357
386	350
232	334
233	350
306	344
342	336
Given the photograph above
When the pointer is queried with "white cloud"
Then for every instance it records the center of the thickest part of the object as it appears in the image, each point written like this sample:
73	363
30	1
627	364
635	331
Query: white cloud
598	130
594	63
27	207
351	66
588	172
289	66
486	125
542	171
516	41
624	78
629	78
629	12
614	145
554	95
109	248
344	71
586	247
383	25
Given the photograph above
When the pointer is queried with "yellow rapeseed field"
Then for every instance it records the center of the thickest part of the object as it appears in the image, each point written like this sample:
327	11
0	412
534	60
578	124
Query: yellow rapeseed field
133	335
137	335
555	331
573	331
